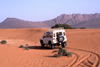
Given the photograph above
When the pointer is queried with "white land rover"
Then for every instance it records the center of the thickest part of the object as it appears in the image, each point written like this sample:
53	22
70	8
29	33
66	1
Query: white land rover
54	37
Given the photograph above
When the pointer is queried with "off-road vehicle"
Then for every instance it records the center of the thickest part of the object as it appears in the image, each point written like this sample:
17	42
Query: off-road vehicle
54	37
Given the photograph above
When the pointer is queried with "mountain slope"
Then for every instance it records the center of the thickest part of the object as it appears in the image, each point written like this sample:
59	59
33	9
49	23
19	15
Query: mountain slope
75	20
94	23
72	19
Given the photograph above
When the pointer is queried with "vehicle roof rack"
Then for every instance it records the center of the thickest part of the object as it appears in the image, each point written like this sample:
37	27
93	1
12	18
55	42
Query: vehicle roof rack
60	28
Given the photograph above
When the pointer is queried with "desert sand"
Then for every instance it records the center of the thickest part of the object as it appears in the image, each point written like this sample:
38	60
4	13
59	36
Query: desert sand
83	43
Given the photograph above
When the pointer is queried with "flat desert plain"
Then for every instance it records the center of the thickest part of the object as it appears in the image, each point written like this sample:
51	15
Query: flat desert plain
83	43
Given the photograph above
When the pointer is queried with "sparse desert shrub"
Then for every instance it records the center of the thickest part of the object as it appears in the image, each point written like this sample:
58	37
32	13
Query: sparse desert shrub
74	28
26	44
21	46
3	42
54	51
65	26
69	54
26	48
62	52
82	28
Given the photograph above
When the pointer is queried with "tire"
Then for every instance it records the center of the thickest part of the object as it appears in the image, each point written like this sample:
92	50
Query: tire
60	38
51	46
58	44
64	44
42	45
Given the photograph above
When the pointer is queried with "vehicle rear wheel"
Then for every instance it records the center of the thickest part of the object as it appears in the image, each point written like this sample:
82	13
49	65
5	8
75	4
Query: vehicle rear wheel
64	44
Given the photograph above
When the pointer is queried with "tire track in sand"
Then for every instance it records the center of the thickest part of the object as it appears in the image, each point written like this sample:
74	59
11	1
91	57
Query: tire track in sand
75	63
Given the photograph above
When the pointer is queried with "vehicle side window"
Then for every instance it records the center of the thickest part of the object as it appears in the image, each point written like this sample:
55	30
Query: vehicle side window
49	35
58	33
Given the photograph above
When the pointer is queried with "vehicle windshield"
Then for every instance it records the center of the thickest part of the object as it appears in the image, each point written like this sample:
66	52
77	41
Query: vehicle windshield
44	35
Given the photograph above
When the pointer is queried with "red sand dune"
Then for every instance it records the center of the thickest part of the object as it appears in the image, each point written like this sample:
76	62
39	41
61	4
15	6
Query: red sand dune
84	43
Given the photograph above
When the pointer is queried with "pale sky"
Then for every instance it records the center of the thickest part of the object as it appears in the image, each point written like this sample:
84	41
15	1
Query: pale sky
41	10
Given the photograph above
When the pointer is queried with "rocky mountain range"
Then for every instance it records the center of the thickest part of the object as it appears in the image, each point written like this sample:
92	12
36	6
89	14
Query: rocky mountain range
75	20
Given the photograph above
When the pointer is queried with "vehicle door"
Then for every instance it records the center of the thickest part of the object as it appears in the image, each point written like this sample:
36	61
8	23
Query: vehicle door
54	38
64	34
45	38
49	37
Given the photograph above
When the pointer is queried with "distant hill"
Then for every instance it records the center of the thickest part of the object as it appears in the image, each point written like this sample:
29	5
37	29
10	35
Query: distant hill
17	23
75	20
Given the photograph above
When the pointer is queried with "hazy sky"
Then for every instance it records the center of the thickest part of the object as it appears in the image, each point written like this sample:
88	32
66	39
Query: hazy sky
40	10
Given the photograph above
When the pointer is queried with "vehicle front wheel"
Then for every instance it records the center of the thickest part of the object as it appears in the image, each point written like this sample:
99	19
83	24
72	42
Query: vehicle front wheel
42	45
51	46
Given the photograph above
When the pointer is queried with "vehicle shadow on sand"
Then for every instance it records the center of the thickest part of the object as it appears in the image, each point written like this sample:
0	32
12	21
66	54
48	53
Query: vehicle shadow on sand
52	56
39	47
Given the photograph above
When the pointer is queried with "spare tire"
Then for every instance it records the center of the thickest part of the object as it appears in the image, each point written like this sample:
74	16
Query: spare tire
60	38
